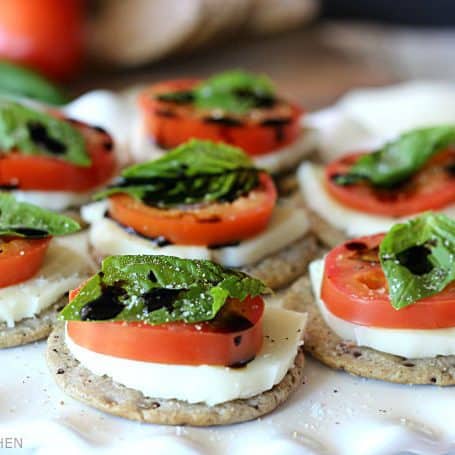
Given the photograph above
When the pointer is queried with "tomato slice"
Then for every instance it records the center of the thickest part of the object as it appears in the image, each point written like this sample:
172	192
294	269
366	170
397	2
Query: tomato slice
47	35
432	188
354	288
233	338
259	132
214	224
53	174
20	259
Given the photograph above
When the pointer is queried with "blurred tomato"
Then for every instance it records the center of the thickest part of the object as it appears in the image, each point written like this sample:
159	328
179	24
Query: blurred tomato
46	35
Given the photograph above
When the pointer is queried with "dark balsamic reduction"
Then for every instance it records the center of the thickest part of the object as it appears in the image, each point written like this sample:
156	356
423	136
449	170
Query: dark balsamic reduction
9	186
106	306
100	129
451	169
40	136
415	259
238	340
159	241
159	298
228	321
31	232
278	124
241	363
223	245
165	113
356	246
108	145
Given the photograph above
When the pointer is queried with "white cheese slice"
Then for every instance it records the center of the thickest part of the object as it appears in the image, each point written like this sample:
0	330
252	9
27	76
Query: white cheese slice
351	221
108	238
63	269
53	200
289	156
283	332
408	343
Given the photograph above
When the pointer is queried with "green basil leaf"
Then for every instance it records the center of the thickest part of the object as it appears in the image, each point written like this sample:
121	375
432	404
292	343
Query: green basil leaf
37	133
159	289
418	258
18	81
195	172
398	160
234	92
21	219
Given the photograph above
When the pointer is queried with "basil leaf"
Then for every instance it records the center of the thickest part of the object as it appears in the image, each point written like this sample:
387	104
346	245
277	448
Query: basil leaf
195	172
398	160
233	92
159	289
418	258
21	219
16	80
37	133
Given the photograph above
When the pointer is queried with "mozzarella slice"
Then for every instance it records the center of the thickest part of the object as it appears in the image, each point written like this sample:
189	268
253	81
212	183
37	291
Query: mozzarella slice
53	200
286	226
283	332
289	156
351	221
108	238
408	343
63	269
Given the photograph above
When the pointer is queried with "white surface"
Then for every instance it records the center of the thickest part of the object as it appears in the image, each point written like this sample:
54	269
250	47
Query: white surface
409	343
353	222
332	413
285	227
283	333
365	118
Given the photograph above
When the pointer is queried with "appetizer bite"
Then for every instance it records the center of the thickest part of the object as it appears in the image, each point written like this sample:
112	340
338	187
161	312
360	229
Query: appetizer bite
366	193
50	161
233	107
174	341
203	200
384	305
36	271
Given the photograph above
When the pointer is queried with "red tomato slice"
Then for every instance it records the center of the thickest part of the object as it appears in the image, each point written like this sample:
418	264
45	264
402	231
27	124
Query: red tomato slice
43	34
432	188
259	132
233	338
355	289
54	174
214	224
20	259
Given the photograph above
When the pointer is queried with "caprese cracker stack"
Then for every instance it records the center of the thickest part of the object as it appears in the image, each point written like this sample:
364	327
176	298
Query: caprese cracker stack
203	200
166	340
234	107
50	161
384	305
366	193
36	271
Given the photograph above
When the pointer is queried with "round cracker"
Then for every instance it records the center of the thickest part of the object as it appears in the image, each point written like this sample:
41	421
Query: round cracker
106	395
30	329
282	268
327	234
323	344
